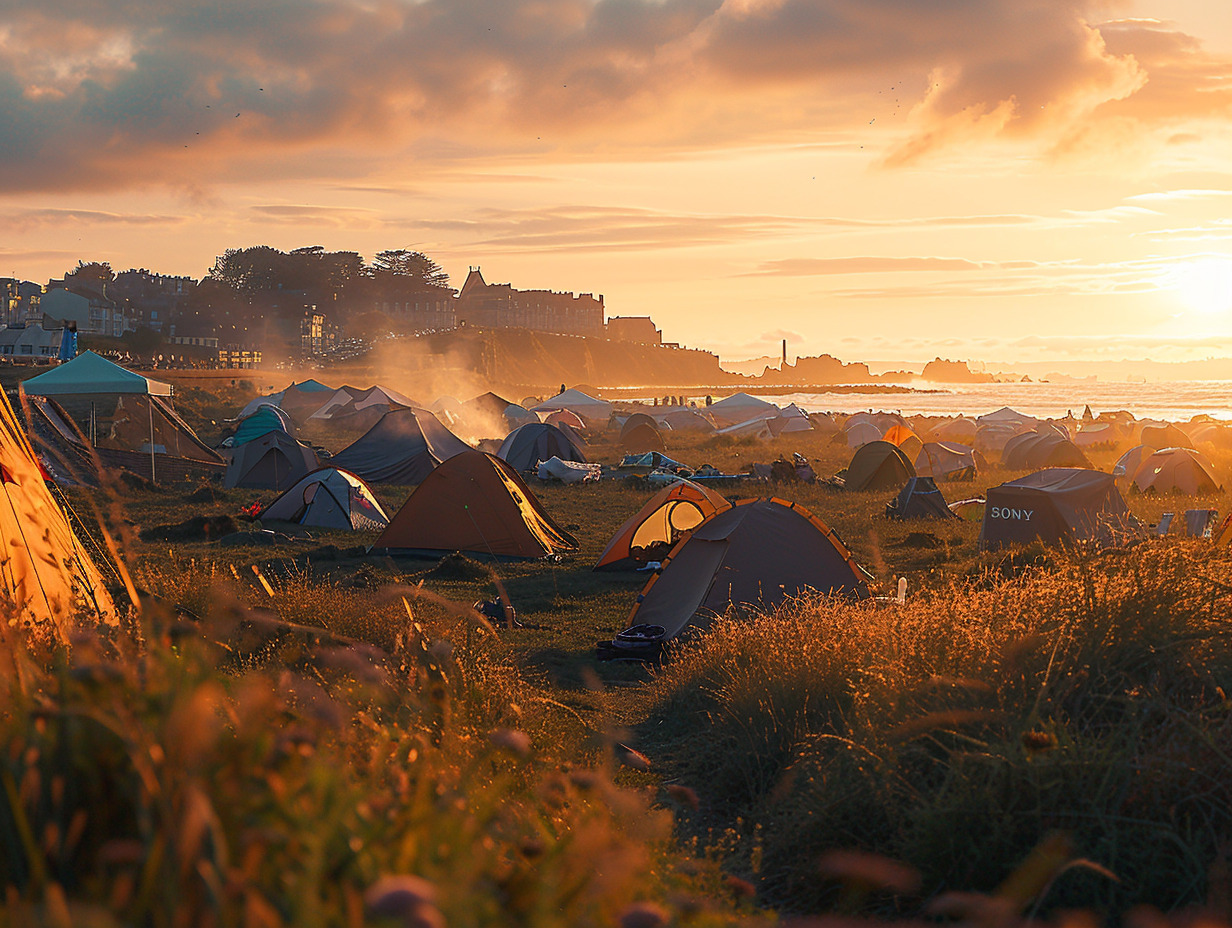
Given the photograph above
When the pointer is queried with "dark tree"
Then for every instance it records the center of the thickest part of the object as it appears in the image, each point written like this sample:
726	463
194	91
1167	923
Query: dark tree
92	273
403	263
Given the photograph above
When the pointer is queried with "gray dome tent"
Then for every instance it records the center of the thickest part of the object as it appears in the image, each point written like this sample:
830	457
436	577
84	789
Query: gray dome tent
403	448
527	445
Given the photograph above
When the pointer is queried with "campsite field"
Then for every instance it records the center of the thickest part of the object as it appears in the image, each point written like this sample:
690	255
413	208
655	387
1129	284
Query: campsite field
1048	730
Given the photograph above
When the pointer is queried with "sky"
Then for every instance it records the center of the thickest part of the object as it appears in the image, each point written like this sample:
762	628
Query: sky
999	180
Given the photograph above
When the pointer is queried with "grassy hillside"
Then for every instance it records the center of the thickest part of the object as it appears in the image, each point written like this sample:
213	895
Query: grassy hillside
286	725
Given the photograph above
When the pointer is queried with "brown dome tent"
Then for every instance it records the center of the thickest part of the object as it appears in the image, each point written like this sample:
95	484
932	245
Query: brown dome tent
758	553
878	465
1176	470
476	503
652	532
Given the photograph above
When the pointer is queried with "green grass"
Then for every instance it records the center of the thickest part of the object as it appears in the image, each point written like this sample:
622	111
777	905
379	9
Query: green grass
335	737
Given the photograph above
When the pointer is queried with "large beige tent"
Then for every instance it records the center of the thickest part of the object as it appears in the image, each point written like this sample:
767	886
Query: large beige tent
48	578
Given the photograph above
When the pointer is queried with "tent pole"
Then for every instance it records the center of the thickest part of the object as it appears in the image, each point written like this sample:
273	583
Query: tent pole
150	404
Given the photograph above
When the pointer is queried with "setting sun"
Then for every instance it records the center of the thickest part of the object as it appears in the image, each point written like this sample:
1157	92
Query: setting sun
1204	285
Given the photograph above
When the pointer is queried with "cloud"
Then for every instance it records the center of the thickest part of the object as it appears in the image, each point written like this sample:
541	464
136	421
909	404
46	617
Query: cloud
123	93
49	216
809	267
334	216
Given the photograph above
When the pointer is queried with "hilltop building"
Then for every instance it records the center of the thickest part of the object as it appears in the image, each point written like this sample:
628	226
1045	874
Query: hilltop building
499	306
154	298
638	329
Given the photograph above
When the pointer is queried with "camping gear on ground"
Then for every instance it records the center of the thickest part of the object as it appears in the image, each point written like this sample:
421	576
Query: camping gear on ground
919	499
527	445
402	448
649	462
1199	523
969	510
477	504
1060	505
757	553
274	461
1175	470
653	530
568	471
879	465
329	498
47	574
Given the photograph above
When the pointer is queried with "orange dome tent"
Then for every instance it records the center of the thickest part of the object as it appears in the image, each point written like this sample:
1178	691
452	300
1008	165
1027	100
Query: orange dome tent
904	438
666	518
474	502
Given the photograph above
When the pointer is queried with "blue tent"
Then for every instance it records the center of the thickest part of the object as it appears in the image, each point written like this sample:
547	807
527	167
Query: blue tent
268	418
89	373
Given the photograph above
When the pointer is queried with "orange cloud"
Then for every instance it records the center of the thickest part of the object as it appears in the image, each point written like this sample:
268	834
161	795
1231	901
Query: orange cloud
109	95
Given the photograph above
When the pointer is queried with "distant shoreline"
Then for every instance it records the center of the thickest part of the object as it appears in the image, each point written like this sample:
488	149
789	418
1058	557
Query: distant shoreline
721	390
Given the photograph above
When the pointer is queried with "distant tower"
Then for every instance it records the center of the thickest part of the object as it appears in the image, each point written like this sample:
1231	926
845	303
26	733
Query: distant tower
784	353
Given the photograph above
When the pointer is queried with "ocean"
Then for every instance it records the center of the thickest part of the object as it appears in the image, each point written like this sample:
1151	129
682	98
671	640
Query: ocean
1178	401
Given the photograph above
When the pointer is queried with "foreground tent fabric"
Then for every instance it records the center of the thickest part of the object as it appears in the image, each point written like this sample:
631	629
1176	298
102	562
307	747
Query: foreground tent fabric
653	530
45	573
329	498
919	499
1176	470
1060	505
527	445
878	465
476	503
757	553
402	448
272	462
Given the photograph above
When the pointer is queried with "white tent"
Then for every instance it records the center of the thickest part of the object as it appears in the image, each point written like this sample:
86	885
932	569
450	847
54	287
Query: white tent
739	408
590	410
